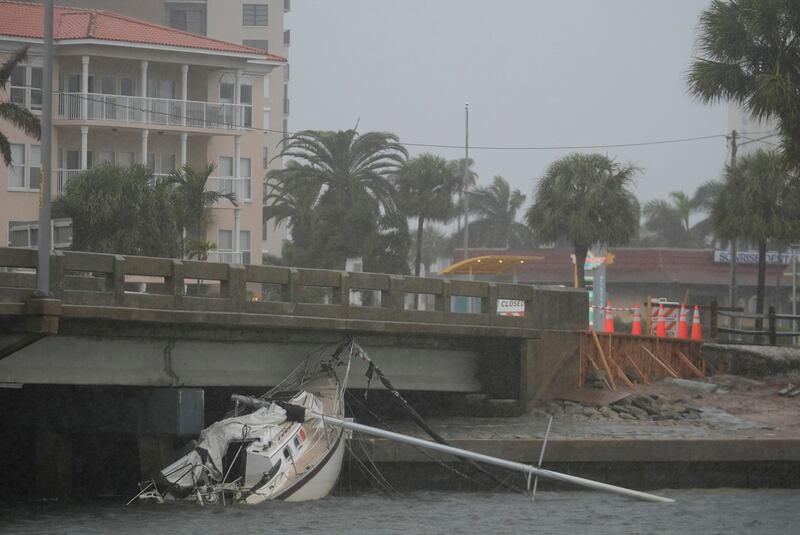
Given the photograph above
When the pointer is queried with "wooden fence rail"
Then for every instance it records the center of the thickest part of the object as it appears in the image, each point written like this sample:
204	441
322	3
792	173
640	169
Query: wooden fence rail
627	360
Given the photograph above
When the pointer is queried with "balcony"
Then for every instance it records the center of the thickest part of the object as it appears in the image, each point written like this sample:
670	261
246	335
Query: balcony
152	111
225	257
63	177
238	186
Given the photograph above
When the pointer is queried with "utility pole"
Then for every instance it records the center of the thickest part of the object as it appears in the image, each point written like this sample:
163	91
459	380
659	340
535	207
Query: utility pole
732	287
466	180
46	174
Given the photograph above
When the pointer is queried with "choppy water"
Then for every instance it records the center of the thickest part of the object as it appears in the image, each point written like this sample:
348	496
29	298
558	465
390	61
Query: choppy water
697	511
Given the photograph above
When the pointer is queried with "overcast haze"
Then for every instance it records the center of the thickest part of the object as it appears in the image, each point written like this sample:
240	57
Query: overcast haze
535	73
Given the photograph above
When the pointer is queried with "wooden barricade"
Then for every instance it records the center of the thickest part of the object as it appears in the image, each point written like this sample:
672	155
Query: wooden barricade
627	360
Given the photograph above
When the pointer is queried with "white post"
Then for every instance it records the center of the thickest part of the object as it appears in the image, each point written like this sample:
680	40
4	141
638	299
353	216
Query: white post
143	91
145	135
237	99
184	139
184	90
84	147
237	225
84	87
43	253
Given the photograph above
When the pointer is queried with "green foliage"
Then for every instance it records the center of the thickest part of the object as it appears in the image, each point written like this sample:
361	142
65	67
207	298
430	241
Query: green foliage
336	198
120	210
426	185
750	55
19	116
192	200
585	199
759	200
496	207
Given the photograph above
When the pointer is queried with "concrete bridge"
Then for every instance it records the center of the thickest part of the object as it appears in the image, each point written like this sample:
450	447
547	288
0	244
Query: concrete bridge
140	321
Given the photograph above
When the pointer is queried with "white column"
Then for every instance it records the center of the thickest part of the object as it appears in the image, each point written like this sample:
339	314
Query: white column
143	86
145	135
84	147
184	139
237	156
237	99
184	89
84	87
237	225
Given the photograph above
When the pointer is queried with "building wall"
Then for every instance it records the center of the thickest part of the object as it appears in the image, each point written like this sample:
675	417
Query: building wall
203	146
224	21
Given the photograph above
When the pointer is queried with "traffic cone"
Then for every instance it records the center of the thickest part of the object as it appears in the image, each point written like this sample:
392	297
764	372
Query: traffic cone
637	322
683	323
697	333
661	327
609	325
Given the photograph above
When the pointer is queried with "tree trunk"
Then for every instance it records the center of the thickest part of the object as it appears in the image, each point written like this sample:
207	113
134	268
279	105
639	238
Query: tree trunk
762	277
420	224
580	260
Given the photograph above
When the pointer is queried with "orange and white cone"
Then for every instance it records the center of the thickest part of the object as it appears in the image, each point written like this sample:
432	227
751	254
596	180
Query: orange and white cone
661	326
683	323
697	332
609	323
636	328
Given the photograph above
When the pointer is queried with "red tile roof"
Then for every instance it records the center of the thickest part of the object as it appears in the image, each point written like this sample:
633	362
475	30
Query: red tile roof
634	266
18	19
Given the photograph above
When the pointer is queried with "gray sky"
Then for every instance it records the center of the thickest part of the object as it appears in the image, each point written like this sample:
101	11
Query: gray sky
536	73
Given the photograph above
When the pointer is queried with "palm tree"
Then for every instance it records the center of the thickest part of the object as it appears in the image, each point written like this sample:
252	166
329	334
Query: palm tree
426	185
585	199
290	199
669	221
352	172
193	200
17	115
462	168
759	202
750	56
435	245
348	165
496	207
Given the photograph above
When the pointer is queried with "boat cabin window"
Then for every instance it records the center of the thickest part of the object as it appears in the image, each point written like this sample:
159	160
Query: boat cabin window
286	452
296	443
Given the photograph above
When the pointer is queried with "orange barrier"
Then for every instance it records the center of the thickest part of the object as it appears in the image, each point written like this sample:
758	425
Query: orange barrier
636	328
609	323
661	326
683	323
697	333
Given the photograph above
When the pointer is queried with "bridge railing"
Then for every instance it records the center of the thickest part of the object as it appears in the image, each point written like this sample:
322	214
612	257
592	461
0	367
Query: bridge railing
104	280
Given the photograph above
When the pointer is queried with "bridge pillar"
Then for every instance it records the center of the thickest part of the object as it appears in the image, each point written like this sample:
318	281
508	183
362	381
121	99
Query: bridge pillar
549	366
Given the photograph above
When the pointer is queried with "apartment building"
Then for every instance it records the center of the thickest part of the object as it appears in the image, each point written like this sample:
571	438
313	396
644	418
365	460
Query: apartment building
131	91
255	23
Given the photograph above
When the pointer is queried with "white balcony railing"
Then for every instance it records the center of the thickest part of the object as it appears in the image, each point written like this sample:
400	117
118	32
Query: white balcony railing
63	176
155	111
239	186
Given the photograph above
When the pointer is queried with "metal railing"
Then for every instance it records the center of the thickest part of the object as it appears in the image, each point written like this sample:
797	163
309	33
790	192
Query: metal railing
155	111
225	257
241	186
63	177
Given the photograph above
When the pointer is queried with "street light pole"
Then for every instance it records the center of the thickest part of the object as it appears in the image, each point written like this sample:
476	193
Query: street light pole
45	174
466	180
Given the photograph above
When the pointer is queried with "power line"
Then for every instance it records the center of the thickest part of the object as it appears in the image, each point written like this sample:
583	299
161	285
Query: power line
229	125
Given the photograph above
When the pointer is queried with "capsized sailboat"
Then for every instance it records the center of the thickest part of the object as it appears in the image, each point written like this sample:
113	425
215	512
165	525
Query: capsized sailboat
273	447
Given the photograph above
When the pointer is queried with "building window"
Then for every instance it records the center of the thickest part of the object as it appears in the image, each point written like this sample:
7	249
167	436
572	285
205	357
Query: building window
18	83
265	158
34	165
187	17
244	245
245	175
36	88
254	14
225	166
285	127
266	120
246	98
227	84
16	172
261	44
